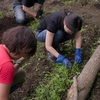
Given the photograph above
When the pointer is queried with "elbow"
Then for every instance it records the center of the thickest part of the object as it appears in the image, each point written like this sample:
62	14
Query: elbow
23	7
47	47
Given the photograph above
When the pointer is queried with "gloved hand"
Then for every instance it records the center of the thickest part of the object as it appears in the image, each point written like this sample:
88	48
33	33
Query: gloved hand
39	14
62	59
78	58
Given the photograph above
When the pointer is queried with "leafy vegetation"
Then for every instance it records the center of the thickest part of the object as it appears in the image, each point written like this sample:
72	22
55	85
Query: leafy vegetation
1	15
58	81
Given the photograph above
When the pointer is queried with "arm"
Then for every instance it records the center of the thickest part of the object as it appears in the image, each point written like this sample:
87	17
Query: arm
78	51
48	43
29	11
4	91
78	39
60	58
6	79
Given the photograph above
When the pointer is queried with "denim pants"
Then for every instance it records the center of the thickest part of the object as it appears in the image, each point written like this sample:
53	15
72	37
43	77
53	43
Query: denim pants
58	37
19	13
18	81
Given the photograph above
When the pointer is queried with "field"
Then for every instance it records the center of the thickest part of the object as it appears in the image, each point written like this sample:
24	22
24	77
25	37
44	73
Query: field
40	71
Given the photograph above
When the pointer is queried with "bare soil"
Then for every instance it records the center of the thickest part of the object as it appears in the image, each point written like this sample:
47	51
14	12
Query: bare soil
90	13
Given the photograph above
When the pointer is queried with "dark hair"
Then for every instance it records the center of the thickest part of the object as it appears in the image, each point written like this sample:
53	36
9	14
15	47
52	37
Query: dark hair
18	38
73	21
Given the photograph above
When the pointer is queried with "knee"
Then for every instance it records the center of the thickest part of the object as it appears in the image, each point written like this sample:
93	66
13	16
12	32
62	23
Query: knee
20	20
59	34
22	73
40	36
19	76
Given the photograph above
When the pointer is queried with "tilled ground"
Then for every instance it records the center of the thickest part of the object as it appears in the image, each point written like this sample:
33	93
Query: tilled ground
91	17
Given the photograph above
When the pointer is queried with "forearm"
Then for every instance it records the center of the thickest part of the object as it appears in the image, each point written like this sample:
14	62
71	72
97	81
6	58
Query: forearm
48	43
78	40
29	11
52	51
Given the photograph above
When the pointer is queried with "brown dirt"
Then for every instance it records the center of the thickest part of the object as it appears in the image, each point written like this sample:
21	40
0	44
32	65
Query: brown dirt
91	17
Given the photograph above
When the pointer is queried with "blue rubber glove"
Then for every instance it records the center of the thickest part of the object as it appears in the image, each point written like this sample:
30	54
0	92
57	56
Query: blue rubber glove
78	54
62	59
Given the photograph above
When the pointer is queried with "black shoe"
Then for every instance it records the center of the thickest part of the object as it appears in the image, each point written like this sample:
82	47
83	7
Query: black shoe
39	14
59	48
51	57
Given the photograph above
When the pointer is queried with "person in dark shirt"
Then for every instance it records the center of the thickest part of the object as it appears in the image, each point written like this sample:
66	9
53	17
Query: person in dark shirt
21	7
56	28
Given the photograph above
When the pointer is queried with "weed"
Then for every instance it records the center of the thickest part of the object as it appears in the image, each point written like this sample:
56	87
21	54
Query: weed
59	79
68	2
1	15
33	25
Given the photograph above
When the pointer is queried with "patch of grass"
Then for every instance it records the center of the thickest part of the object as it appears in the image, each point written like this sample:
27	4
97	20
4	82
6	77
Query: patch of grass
83	30
68	2
57	82
1	15
59	79
33	25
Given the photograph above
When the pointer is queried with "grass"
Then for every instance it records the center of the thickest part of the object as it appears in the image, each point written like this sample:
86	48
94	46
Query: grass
68	2
1	15
59	80
55	83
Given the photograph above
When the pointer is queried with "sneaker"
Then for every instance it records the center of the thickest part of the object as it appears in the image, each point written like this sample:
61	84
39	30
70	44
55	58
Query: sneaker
39	14
51	57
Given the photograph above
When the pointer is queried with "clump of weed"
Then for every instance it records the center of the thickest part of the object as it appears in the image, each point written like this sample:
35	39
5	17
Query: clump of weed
1	15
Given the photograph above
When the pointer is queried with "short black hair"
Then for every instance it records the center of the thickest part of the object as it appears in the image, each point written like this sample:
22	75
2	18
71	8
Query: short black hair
73	22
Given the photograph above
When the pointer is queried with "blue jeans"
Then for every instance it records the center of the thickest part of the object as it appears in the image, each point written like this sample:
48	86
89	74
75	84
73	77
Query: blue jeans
19	13
58	37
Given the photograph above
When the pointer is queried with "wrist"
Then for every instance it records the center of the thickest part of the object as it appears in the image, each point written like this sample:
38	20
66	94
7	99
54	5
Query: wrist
34	15
78	51
78	48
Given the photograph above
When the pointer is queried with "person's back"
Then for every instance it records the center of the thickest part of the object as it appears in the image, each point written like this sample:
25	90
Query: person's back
52	22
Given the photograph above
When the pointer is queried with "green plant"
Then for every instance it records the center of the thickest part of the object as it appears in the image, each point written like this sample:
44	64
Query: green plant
59	78
83	30
57	82
1	15
68	2
33	25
